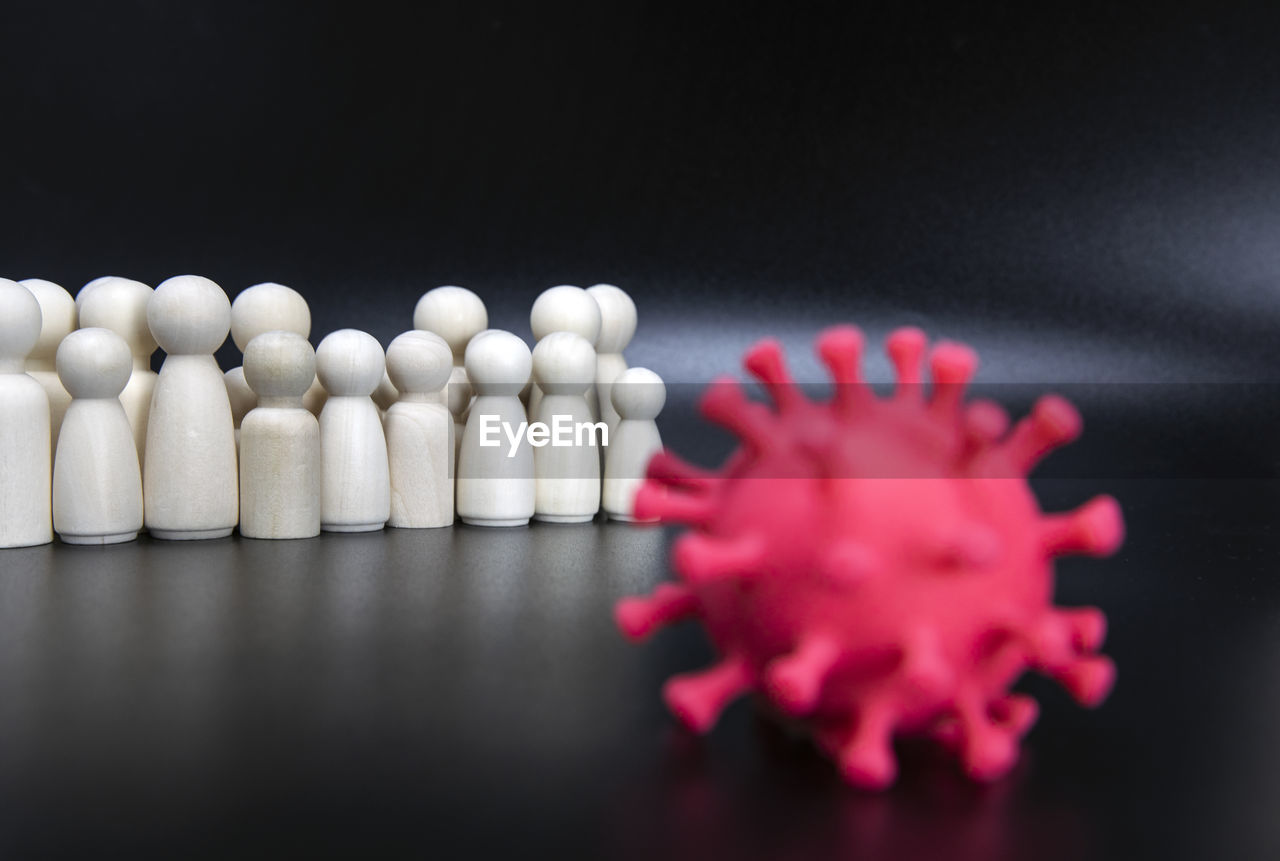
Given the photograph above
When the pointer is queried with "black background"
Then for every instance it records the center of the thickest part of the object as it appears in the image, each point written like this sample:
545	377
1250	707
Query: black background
1106	174
1089	195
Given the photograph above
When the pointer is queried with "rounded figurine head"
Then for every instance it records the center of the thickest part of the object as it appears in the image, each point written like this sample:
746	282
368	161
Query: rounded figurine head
565	309
94	363
564	364
617	318
638	393
189	315
279	365
120	305
454	313
419	362
350	363
87	290
58	317
20	320
268	308
498	363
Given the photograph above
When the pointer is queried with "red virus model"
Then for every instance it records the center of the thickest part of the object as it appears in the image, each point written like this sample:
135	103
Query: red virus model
877	566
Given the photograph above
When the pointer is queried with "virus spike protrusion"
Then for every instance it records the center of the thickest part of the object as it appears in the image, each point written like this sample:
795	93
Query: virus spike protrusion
924	666
1088	679
906	348
952	367
667	468
702	559
1015	712
656	503
1053	423
840	349
1055	643
1094	529
766	362
697	699
1012	650
794	681
1087	627
866	759
984	423
637	618
726	404
1049	641
988	749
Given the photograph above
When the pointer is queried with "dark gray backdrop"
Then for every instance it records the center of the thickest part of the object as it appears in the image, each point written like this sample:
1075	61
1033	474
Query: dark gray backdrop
1094	186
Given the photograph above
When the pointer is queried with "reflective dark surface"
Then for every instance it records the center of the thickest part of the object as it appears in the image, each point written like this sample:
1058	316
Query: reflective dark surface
405	692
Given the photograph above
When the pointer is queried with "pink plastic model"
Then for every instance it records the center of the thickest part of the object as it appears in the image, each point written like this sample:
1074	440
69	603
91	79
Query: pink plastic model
877	566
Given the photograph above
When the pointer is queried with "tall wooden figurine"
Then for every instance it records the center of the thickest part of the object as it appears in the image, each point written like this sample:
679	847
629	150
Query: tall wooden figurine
25	460
420	432
190	483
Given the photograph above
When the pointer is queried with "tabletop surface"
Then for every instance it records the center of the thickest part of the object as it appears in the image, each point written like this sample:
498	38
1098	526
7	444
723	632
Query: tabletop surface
464	689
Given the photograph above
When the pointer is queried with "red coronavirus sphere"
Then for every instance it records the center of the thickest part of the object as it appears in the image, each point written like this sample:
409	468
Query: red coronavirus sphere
877	566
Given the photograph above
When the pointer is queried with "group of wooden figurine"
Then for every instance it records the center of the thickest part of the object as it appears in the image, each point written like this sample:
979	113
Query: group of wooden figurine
96	446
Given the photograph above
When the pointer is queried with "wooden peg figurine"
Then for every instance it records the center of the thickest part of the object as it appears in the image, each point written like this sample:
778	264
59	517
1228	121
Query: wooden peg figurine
356	488
25	461
190	483
97	483
638	396
58	320
280	464
420	432
120	305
